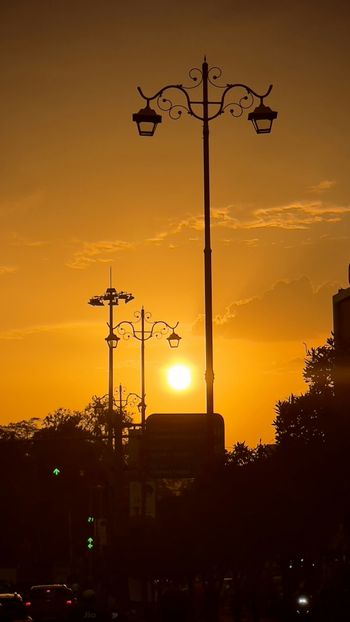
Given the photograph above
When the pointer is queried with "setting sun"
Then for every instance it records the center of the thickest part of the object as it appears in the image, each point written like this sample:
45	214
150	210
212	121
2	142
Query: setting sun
179	377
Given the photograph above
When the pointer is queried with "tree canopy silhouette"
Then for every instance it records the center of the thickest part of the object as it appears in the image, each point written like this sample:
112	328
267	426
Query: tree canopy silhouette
308	418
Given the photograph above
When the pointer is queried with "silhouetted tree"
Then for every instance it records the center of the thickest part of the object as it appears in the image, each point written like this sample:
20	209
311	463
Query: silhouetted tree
319	368
20	430
242	455
89	476
61	419
95	415
301	418
92	420
309	417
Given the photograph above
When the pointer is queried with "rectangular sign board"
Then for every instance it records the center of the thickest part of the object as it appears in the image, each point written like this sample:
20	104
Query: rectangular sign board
183	444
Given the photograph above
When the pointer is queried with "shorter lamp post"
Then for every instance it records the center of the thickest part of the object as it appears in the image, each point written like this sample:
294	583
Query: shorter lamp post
147	330
125	400
122	402
111	298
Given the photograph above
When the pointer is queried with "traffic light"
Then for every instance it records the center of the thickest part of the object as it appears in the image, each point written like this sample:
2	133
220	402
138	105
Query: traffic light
90	540
90	543
56	471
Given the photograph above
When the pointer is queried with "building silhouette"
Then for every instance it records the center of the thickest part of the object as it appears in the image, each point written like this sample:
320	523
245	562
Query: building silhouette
341	330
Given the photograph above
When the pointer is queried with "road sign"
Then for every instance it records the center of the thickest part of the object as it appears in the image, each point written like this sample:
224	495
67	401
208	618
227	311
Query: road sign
183	444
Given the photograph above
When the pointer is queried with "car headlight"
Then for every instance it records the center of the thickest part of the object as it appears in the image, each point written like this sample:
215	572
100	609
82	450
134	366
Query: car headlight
303	601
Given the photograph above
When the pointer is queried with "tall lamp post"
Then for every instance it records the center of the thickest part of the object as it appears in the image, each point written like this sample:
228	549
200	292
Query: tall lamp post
111	298
206	110
147	330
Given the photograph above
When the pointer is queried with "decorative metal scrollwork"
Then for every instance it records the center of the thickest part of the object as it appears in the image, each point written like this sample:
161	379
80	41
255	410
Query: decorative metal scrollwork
215	73
174	110
236	108
158	329
196	75
125	330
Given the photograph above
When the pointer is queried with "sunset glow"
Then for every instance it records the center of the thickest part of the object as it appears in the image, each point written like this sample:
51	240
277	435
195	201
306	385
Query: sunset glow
179	377
81	192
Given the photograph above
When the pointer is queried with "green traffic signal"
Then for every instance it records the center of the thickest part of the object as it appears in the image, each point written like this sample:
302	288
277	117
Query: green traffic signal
56	471
90	543
90	519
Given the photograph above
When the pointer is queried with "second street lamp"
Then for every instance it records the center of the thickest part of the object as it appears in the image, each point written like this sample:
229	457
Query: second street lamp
111	298
147	330
206	110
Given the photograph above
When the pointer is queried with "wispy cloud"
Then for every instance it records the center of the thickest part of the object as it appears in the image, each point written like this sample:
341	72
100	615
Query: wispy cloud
285	367
17	334
23	204
251	242
326	184
97	252
299	215
158	238
18	240
175	227
7	270
289	311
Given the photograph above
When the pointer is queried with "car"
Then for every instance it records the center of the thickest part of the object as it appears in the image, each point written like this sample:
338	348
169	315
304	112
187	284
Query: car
12	608
53	601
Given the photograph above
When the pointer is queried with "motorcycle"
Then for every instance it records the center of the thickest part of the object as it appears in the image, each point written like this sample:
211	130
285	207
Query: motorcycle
303	605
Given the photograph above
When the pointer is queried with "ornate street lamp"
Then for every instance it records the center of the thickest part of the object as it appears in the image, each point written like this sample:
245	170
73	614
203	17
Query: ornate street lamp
147	330
147	120
262	118
206	110
111	298
112	341
174	340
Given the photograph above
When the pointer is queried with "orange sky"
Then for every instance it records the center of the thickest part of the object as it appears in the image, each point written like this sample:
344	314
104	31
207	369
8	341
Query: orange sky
80	191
